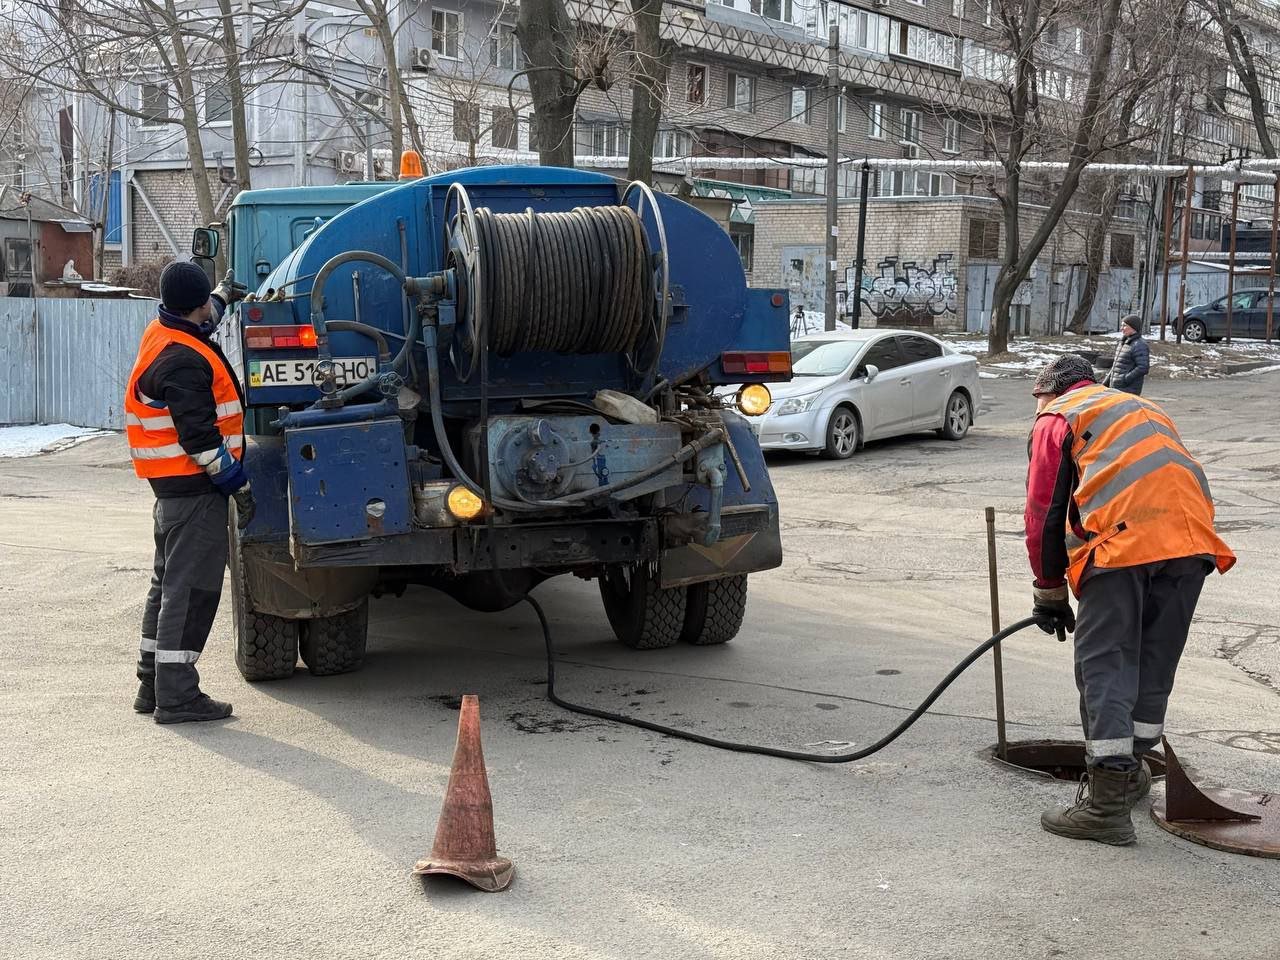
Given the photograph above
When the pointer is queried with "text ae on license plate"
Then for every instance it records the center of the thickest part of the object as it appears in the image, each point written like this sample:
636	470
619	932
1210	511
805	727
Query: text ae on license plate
302	372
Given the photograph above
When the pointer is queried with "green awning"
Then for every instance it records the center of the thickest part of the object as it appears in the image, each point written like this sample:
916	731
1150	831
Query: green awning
743	197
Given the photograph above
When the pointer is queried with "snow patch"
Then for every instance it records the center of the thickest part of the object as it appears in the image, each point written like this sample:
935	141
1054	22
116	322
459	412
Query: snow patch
16	442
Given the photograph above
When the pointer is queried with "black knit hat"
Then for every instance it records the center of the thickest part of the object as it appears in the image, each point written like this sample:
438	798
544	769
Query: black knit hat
1062	372
184	286
1135	321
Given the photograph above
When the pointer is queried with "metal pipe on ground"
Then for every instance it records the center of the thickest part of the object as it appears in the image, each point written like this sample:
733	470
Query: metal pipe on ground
997	661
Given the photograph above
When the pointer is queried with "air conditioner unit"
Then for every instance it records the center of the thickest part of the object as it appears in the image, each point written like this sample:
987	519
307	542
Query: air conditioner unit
910	151
349	162
1268	108
420	58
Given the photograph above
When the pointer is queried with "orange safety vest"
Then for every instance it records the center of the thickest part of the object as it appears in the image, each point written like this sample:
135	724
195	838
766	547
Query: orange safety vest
153	438
1140	496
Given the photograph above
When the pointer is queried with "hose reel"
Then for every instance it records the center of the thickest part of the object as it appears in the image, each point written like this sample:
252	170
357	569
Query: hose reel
582	281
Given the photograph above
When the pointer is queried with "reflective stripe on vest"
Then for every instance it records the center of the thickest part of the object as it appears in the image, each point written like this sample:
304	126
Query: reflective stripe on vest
152	435
1140	496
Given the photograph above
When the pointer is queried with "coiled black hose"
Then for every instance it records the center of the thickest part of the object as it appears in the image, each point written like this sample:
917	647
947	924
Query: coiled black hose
573	282
866	751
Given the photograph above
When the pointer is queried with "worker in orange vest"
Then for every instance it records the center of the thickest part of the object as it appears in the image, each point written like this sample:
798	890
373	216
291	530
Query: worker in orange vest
184	419
1118	509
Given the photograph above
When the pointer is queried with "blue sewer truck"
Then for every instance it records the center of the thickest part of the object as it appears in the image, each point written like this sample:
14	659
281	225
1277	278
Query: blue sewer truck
480	380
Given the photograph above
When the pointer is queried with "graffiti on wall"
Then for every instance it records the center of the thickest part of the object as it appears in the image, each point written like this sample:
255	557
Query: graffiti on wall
907	294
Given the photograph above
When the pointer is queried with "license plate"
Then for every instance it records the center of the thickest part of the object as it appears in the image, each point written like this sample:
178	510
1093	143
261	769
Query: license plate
294	373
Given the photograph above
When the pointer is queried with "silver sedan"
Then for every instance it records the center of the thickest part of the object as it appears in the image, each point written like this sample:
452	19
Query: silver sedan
861	385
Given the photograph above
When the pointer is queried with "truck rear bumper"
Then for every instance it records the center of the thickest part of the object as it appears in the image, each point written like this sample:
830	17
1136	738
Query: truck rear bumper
749	541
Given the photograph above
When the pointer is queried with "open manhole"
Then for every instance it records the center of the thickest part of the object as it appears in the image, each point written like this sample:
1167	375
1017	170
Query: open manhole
1059	759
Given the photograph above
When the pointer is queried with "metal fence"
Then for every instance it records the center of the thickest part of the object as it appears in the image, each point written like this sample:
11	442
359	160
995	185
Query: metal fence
67	361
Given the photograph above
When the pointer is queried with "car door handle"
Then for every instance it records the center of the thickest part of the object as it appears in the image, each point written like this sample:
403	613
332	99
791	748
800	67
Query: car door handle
944	373
905	383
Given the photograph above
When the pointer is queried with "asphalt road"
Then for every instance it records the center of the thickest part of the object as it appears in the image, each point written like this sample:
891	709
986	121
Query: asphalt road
291	830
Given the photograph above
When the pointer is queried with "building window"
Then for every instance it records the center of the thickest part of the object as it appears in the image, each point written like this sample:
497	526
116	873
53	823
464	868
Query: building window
504	48
841	104
910	121
153	101
695	83
984	239
672	144
466	122
742	93
17	258
1122	250
506	129
609	139
957	8
927	46
743	237
1078	42
986	14
875	121
446	33
950	135
217	102
772	9
801	105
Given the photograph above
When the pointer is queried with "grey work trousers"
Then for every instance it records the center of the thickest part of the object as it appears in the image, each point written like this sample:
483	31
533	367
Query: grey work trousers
186	585
1131	626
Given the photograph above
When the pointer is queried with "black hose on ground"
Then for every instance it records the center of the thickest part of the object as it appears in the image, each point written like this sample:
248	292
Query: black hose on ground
719	744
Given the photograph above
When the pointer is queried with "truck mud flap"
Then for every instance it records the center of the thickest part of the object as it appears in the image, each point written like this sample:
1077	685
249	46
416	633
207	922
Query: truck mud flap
277	587
750	541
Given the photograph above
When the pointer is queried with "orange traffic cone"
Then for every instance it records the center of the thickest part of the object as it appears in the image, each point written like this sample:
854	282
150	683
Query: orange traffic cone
465	846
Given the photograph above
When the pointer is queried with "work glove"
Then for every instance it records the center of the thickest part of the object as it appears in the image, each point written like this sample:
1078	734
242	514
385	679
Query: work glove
1052	610
228	291
245	505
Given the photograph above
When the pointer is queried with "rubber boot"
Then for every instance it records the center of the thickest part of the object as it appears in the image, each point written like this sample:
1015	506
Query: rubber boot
145	701
1101	810
202	707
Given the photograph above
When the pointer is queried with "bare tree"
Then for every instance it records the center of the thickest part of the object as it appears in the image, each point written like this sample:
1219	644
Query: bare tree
651	59
400	113
1048	116
1244	64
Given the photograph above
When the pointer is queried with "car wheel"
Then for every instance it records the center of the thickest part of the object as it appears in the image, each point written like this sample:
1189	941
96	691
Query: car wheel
843	435
1193	330
957	418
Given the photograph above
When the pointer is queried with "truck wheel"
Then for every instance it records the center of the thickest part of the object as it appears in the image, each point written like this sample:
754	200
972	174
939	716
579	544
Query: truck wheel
643	615
266	646
714	610
336	644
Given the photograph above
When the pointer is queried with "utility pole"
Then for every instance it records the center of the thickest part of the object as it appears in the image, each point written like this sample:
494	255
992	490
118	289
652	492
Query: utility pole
860	256
833	166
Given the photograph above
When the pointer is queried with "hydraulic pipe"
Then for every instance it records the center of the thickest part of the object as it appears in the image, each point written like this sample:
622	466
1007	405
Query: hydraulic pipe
355	326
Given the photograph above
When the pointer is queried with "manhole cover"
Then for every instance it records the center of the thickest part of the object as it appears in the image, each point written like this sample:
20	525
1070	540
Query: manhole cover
1059	759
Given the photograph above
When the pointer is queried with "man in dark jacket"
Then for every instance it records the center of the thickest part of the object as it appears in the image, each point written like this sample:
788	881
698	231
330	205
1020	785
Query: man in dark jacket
184	419
1133	358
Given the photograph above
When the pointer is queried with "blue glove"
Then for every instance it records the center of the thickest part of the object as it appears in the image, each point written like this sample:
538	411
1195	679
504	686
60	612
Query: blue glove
226	472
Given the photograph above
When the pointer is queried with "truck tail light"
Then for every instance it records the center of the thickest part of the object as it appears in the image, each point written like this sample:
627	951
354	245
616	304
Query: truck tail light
280	338
747	362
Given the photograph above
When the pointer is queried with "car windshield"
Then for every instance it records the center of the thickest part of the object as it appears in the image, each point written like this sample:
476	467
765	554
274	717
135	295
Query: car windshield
822	358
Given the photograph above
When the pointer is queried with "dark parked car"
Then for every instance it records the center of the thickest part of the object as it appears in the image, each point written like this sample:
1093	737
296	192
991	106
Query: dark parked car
1208	321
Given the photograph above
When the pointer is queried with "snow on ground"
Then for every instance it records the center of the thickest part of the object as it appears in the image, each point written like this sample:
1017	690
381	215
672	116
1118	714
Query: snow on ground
16	442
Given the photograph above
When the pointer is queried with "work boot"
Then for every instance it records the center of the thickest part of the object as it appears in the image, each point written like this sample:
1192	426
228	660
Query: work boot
145	701
202	707
1101	809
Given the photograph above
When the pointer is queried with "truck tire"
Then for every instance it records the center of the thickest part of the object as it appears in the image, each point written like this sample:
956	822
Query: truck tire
266	646
714	611
644	616
332	645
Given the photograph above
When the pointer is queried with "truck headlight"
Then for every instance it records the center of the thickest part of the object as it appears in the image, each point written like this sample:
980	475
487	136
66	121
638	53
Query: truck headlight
801	404
464	504
754	399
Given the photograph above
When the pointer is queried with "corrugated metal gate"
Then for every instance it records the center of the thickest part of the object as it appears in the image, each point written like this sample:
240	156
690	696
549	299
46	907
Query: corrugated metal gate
66	361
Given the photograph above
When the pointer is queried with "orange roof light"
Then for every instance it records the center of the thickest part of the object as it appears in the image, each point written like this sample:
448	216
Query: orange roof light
410	165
